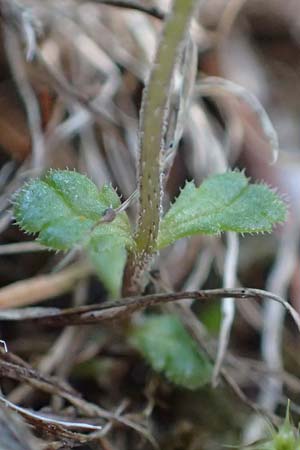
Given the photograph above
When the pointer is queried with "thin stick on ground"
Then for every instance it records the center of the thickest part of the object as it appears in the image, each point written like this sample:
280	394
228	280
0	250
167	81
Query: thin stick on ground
122	308
14	368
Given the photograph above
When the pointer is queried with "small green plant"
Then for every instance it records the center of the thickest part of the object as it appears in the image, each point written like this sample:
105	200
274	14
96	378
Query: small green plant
286	437
67	211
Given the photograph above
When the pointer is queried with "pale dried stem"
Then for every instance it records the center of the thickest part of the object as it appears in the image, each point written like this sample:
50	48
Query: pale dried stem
42	287
215	86
228	304
55	357
273	320
21	247
17	65
229	16
71	93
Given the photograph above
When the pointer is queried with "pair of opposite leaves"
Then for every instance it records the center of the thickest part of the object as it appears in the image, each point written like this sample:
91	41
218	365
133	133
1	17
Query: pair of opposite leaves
65	208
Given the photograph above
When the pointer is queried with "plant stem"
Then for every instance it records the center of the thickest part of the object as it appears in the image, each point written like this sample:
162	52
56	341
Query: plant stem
154	112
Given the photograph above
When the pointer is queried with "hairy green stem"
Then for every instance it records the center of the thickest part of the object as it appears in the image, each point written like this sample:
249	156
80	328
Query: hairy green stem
152	129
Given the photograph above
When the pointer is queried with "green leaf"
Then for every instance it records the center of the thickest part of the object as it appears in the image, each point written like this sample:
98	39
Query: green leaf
109	263
225	202
65	208
167	346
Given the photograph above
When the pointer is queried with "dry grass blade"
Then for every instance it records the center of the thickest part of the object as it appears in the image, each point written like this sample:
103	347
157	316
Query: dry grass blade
71	93
152	10
216	86
271	385
228	304
21	247
42	287
15	57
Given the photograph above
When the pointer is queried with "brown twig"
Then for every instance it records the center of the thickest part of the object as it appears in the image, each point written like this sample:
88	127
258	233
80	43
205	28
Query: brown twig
119	309
11	366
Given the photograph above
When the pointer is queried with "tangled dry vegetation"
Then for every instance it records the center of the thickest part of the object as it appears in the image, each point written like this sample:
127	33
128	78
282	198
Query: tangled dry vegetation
72	75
